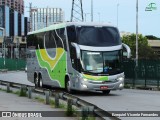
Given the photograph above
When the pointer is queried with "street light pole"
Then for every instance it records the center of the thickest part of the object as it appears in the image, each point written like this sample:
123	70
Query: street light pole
99	17
117	14
91	10
137	34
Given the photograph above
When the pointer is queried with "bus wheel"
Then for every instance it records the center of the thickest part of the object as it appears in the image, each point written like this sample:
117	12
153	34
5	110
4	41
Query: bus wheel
36	81
106	92
68	85
40	82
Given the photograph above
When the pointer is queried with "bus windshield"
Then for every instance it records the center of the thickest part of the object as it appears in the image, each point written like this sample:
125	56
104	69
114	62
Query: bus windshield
98	36
102	62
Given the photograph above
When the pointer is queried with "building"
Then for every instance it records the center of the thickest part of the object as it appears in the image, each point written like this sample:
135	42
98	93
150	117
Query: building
155	45
43	17
12	20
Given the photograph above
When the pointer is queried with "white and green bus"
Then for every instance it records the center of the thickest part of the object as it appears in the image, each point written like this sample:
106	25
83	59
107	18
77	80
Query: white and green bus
76	56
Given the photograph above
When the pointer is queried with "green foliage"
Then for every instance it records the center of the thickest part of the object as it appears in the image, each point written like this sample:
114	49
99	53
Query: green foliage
144	50
151	37
39	99
23	92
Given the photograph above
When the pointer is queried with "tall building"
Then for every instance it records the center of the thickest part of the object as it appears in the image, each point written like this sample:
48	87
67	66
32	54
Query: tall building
12	17
12	20
43	17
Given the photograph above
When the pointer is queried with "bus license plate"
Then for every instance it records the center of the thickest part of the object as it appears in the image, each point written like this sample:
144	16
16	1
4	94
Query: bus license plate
104	87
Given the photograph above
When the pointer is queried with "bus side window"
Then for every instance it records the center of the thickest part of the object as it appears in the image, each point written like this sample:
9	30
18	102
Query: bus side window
71	32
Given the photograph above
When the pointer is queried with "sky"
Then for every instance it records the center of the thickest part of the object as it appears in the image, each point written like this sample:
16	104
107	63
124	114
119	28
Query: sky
106	11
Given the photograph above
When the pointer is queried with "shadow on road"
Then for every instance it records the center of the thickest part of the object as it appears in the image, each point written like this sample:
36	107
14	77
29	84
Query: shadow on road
85	94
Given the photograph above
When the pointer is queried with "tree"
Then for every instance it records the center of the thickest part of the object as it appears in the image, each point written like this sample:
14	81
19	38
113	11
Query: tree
144	50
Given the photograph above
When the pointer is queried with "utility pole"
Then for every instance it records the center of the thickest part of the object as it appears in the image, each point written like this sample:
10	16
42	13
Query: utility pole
117	14
91	10
137	34
77	11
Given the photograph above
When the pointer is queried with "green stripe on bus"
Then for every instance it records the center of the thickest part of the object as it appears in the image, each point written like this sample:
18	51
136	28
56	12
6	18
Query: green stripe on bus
59	71
100	78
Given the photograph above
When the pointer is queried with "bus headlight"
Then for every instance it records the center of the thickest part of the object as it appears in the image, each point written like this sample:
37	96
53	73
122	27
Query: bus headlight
81	78
85	79
120	78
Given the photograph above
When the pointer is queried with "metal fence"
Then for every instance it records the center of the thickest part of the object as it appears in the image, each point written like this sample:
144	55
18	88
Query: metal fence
12	64
146	74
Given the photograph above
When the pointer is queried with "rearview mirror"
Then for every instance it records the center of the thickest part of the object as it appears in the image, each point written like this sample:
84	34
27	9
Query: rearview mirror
77	49
128	50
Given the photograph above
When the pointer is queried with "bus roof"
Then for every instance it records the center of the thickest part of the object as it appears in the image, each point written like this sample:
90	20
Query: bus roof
64	24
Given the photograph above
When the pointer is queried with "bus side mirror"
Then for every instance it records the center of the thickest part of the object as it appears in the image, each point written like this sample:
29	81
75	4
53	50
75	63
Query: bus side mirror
128	50
77	49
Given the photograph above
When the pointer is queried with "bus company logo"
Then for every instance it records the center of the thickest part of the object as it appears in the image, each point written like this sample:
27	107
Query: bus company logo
151	7
6	114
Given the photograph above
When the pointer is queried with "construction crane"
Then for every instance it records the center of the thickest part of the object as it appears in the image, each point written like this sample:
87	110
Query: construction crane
77	11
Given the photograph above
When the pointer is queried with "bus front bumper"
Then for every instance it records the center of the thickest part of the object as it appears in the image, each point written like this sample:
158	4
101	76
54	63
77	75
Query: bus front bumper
94	86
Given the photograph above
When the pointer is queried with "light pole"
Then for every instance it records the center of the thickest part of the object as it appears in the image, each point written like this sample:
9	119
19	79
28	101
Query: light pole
99	16
91	10
117	14
85	15
137	33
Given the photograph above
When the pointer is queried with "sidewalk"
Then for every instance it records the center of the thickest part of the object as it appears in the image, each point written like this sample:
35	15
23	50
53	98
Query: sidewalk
12	102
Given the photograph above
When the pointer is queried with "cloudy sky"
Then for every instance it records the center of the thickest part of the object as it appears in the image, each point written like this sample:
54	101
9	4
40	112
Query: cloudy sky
106	11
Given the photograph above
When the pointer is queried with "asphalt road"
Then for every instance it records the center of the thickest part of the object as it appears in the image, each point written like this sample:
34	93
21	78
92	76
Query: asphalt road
124	100
16	77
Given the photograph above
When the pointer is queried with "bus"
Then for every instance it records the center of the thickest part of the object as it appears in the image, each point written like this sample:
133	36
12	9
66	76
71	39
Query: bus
77	56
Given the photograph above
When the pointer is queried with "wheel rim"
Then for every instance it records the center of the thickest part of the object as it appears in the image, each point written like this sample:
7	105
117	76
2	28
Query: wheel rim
40	82
36	82
68	86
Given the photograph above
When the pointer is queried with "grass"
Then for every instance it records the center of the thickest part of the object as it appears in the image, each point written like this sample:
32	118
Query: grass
16	92
3	89
62	105
39	99
52	103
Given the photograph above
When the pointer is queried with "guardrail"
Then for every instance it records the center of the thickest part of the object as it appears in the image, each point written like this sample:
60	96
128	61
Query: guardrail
87	109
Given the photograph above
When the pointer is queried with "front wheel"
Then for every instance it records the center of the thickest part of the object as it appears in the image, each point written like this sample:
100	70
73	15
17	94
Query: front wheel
40	82
36	82
106	92
68	86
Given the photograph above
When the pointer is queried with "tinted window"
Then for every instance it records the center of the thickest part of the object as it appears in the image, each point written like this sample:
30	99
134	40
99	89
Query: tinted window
98	36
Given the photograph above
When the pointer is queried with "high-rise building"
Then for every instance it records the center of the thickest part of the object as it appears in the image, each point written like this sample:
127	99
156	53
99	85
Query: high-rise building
12	17
43	17
12	21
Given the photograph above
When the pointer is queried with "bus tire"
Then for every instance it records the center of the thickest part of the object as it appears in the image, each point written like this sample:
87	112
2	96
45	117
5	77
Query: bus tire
36	81
67	85
40	81
106	92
